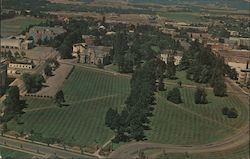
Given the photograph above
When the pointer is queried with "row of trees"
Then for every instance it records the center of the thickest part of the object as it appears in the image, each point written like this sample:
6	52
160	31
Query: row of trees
139	51
134	118
202	66
230	113
200	96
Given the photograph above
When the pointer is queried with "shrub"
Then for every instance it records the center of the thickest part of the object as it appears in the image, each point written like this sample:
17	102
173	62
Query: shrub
232	113
174	96
200	96
225	110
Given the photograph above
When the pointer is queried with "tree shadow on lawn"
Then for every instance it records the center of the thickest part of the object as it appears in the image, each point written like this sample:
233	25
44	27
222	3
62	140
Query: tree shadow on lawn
63	105
44	86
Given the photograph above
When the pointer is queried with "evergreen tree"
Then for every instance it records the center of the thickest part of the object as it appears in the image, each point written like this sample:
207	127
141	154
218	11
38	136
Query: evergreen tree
136	129
174	96
120	47
225	110
171	68
220	88
12	100
232	113
59	98
161	86
48	70
110	116
200	96
115	121
33	82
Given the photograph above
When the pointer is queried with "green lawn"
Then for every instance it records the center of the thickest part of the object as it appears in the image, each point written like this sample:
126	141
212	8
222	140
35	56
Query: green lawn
241	152
112	67
16	25
8	153
89	95
188	123
181	76
182	16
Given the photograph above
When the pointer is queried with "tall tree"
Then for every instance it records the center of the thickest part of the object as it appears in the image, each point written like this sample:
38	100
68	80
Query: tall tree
171	68
48	70
110	116
200	96
174	96
59	98
12	100
161	86
120	47
220	88
33	82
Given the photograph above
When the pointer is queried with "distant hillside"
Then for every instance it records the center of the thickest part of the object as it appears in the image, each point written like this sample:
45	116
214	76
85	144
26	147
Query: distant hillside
238	4
24	4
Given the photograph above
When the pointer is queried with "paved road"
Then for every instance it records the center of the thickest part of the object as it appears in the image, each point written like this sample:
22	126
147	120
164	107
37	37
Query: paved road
240	138
42	149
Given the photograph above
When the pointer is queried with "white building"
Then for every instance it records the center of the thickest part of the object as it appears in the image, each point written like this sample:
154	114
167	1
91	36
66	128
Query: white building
79	48
234	33
14	67
177	58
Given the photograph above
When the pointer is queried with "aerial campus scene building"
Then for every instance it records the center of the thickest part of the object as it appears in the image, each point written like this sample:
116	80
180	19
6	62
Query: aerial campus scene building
125	79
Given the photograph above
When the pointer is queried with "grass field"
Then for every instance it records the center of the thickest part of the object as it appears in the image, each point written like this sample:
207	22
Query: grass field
182	16
241	152
112	67
189	123
8	153
16	25
181	76
89	95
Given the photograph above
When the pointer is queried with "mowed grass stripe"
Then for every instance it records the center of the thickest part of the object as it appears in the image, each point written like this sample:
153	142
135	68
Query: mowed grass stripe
171	124
213	108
